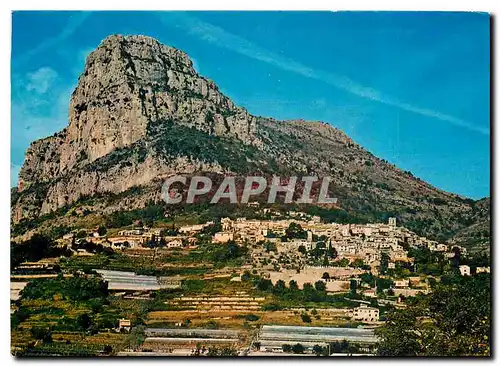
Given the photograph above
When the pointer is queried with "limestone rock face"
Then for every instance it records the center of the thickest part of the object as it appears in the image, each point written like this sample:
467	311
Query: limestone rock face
42	160
130	83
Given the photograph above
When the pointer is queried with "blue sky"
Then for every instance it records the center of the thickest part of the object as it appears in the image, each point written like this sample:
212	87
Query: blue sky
412	88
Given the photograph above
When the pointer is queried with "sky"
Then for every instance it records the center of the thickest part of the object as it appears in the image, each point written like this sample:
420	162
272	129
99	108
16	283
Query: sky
412	88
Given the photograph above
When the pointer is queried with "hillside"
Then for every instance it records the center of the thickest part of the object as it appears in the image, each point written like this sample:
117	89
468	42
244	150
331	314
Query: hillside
476	236
140	113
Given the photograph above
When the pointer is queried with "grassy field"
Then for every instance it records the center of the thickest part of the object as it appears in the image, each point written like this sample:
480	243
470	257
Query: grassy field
74	315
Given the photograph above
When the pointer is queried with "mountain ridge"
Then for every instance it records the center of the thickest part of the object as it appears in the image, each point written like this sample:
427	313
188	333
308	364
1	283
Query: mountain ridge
140	113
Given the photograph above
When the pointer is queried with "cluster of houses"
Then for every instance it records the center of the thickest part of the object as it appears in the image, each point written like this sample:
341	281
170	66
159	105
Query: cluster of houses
141	237
364	242
351	241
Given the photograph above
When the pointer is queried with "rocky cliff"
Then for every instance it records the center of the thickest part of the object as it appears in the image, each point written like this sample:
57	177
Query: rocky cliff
129	84
140	112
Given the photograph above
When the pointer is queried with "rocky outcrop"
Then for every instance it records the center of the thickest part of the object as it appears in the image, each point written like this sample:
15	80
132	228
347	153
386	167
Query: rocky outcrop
42	160
140	112
129	84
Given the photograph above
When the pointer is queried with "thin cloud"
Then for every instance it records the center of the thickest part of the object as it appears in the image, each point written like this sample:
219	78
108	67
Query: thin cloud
41	80
73	24
221	38
39	108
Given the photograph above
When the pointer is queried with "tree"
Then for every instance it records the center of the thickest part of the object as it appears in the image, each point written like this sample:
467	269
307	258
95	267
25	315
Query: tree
455	262
302	249
264	284
353	286
137	336
357	263
246	276
383	284
344	262
326	276
384	262
298	348
251	317
454	320
84	321
41	334
295	231
270	246
325	261
344	345
102	230
286	348
212	324
318	350
320	286
170	232
318	250
34	249
479	260
293	285
305	318
331	251
18	317
308	287
368	278
279	287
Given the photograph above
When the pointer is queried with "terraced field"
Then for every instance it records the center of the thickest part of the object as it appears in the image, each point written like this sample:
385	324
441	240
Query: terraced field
240	302
69	343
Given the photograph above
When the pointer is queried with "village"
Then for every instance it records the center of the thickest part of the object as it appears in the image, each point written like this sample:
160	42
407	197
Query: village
352	273
349	249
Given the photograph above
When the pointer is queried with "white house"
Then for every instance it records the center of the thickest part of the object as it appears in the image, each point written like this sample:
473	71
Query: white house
464	270
365	313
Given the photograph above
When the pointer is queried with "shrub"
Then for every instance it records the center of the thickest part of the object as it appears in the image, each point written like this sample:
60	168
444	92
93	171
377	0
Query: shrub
298	348
305	318
75	288
252	317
